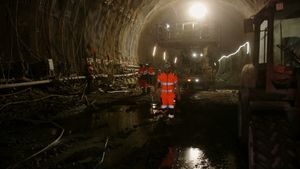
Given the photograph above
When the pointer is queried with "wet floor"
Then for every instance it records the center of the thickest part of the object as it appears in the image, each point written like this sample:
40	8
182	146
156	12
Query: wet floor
202	135
196	158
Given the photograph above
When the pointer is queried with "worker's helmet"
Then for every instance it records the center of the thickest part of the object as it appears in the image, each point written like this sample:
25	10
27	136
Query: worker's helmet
167	65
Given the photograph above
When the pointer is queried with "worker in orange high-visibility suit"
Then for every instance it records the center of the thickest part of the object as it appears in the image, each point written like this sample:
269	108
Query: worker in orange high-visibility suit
150	69
143	77
169	87
150	77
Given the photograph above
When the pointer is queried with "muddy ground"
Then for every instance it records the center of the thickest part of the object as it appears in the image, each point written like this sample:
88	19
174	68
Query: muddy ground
112	131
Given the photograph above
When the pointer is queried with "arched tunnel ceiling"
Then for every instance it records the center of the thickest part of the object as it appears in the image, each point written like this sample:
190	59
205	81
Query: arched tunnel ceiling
245	7
229	13
140	12
69	31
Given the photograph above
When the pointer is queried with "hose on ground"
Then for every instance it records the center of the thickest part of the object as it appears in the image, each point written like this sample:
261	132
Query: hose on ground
52	144
103	154
35	100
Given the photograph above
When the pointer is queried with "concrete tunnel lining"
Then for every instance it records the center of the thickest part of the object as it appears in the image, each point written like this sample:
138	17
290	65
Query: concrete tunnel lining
114	125
130	35
230	10
245	8
62	30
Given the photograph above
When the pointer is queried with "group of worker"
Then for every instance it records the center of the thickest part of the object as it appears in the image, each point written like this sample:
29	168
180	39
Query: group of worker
146	77
166	80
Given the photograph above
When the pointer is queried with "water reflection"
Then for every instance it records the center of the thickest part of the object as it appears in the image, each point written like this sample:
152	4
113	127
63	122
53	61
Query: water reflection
193	154
192	158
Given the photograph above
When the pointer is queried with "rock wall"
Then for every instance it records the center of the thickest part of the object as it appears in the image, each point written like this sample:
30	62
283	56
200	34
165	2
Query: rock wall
72	34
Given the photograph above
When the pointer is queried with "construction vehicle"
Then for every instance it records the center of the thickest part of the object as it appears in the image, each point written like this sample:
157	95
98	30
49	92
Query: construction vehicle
269	116
196	44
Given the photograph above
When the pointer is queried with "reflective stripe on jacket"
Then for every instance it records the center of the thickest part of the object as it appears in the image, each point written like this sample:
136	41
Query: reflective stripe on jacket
167	81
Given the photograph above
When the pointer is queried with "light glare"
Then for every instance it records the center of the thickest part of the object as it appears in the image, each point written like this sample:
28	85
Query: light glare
195	154
167	26
198	11
154	51
175	60
247	45
194	55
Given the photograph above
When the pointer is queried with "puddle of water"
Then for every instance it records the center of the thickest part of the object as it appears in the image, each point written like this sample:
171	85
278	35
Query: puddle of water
191	158
196	158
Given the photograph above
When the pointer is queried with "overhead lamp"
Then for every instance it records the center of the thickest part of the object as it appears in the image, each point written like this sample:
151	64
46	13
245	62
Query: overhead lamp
194	55
154	51
167	26
198	11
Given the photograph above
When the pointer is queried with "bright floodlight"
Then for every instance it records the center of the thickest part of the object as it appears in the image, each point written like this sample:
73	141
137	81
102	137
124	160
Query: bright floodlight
198	11
154	51
194	55
167	26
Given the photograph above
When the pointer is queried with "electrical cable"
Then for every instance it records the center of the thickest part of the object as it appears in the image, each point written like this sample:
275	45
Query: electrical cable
35	100
36	56
103	154
17	34
18	92
52	144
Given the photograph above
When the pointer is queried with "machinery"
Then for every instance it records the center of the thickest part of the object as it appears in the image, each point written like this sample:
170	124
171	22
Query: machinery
269	116
195	82
196	44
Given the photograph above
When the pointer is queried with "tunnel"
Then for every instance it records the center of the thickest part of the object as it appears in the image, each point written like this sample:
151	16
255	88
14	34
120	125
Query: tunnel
66	32
82	84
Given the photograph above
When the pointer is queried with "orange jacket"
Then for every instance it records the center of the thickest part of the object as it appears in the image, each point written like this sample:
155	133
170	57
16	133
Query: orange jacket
167	81
142	71
151	71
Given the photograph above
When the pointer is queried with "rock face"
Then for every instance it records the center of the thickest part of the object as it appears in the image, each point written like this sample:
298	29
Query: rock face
72	33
